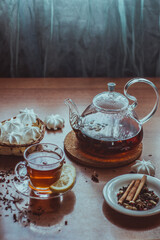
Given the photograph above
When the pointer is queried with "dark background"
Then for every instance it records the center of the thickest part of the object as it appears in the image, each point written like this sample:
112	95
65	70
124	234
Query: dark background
79	38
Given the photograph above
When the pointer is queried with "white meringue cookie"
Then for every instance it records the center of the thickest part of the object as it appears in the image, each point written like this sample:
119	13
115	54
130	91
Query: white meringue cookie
12	138
1	129
27	116
3	132
11	125
30	133
144	167
54	122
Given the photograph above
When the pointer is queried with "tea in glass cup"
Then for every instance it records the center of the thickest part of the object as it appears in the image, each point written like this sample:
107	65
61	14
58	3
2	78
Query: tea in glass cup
43	165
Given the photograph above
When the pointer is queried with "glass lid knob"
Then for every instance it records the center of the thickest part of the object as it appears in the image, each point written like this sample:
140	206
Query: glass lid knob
111	86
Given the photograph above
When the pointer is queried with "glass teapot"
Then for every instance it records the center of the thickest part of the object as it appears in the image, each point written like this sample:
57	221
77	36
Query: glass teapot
109	125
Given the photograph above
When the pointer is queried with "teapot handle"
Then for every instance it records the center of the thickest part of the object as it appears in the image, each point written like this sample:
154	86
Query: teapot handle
136	80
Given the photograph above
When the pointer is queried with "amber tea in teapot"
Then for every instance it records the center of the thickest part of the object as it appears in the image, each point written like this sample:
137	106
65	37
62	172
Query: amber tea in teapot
110	125
101	144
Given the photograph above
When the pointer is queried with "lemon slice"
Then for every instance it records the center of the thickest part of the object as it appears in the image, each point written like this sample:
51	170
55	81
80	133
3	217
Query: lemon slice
66	180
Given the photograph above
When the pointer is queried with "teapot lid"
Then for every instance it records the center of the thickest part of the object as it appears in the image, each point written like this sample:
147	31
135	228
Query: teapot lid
111	101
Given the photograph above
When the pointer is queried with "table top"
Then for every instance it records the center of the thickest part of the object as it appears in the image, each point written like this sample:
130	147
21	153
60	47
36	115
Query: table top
82	213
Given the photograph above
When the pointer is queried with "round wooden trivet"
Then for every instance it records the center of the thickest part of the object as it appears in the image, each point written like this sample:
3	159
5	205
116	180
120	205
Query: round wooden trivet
74	152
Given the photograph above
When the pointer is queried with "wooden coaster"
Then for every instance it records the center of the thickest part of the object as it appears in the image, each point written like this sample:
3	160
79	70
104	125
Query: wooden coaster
74	152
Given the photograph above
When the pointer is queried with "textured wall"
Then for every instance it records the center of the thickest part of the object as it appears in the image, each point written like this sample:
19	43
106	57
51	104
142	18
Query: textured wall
73	38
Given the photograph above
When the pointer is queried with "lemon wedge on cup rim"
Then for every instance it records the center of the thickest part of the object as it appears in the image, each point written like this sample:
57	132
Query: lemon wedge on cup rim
66	180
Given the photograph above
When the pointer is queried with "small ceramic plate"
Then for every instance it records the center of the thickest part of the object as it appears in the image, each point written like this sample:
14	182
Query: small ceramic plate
111	189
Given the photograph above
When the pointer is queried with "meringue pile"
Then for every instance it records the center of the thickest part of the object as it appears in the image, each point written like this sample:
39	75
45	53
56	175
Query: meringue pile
21	129
54	122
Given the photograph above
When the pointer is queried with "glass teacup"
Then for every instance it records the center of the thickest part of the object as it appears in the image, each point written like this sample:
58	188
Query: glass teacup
42	166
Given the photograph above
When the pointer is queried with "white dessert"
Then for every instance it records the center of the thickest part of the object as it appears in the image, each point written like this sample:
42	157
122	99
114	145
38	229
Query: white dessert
11	125
54	122
12	138
144	167
21	129
27	116
30	133
17	133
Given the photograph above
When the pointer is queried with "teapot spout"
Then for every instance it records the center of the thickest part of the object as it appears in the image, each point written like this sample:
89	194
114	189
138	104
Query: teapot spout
73	114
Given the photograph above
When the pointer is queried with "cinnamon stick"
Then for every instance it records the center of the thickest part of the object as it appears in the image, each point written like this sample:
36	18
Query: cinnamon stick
142	182
133	190
120	201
